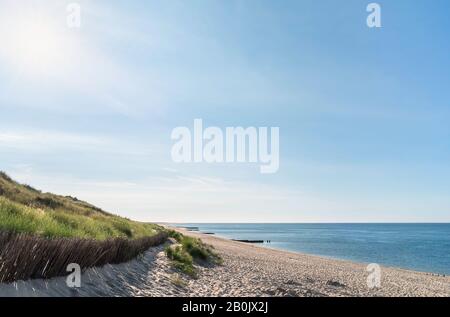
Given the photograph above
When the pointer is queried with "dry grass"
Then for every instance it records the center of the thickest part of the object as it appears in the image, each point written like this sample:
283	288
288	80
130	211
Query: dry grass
41	233
25	256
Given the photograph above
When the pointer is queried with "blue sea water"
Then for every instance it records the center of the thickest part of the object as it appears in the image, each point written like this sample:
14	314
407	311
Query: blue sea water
422	247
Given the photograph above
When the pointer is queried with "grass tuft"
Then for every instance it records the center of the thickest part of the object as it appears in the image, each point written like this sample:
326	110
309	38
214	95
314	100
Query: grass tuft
188	251
199	250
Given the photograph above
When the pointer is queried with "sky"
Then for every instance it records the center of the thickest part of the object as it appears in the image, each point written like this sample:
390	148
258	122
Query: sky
363	112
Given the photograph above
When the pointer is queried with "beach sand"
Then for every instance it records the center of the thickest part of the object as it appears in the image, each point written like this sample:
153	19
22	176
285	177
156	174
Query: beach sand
247	270
252	270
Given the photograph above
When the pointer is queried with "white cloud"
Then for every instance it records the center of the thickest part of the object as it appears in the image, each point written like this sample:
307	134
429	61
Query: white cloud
48	140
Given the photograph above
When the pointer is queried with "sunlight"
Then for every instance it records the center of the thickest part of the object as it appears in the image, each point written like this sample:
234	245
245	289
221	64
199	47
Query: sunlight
36	44
33	44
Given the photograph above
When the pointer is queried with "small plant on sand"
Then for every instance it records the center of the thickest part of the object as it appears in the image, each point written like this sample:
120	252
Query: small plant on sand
187	251
175	234
176	253
181	260
199	250
177	280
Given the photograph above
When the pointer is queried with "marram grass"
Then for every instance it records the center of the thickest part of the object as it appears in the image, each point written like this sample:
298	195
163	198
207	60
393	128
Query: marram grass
41	233
24	256
49	223
189	250
24	209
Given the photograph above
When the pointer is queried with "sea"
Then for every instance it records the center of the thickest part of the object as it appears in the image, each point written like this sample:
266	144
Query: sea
422	247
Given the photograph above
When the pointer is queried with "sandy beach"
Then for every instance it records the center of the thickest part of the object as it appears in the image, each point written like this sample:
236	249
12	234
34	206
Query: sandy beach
252	270
247	270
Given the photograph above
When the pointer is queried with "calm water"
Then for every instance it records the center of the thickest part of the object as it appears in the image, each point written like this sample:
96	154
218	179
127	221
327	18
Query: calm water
422	247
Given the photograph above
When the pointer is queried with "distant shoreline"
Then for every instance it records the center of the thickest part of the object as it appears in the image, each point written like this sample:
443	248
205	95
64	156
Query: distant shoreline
265	246
262	271
405	246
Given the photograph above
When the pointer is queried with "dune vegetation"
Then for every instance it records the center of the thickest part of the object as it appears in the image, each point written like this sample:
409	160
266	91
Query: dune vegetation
189	250
41	233
24	209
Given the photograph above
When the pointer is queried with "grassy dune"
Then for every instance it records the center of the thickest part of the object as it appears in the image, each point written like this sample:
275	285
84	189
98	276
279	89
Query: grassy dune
24	209
41	233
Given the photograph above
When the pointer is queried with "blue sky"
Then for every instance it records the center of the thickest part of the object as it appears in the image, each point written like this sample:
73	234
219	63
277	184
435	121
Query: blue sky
363	113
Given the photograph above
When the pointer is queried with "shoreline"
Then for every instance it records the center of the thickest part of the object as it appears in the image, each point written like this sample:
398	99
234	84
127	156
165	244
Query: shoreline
325	257
247	271
300	274
263	244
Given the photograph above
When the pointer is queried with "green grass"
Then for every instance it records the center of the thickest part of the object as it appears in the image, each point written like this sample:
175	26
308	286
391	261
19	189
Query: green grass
198	250
24	209
187	251
181	260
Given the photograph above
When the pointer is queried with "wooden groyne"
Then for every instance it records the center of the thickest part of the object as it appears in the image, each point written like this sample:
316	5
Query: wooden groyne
190	228
249	241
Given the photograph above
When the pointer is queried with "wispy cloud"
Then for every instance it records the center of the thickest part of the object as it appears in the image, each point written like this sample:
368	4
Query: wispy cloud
48	140
195	198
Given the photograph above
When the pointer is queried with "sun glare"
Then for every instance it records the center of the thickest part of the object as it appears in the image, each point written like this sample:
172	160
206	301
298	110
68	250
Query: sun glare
32	44
36	44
